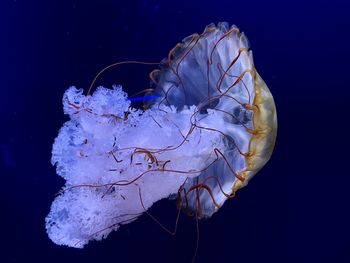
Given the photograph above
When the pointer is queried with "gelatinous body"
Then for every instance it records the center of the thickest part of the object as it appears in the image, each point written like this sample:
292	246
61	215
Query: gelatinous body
209	126
215	72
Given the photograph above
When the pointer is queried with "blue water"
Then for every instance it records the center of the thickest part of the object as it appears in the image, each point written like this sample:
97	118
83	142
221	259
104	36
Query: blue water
295	210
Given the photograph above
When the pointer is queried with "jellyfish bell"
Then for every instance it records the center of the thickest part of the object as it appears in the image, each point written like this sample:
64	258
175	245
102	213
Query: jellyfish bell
209	125
215	72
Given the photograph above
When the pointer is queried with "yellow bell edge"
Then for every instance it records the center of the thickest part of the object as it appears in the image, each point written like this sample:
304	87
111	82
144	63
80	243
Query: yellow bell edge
264	133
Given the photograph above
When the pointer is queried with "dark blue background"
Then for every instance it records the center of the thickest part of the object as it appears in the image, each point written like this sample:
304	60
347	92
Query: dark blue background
295	210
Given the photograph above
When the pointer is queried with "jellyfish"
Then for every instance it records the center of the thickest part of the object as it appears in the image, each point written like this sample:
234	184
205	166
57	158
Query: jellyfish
208	126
